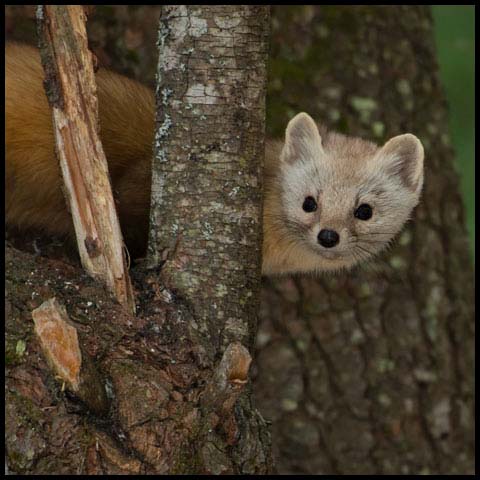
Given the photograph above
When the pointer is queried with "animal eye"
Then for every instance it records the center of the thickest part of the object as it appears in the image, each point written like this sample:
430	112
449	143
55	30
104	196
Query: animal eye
363	212
309	204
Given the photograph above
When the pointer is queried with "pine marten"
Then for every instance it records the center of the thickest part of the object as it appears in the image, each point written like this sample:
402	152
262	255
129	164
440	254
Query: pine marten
331	201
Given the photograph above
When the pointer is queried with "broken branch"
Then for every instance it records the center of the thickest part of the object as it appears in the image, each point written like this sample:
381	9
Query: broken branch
71	91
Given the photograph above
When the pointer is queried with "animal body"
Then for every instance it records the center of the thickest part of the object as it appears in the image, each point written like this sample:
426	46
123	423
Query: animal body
330	200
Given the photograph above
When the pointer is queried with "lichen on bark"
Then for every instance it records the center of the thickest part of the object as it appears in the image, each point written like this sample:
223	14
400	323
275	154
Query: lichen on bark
206	204
352	383
207	170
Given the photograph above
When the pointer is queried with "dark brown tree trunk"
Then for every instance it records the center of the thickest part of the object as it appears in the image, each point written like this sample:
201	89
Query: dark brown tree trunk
371	371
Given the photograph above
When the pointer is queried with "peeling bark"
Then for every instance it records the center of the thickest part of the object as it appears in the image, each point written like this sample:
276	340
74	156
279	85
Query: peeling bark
375	377
59	341
162	410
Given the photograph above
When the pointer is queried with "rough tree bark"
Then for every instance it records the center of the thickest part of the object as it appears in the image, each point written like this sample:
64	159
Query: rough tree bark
205	219
174	378
364	70
371	371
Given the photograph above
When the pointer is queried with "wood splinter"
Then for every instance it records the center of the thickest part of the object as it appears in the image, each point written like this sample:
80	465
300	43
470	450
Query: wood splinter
229	379
59	341
72	93
235	363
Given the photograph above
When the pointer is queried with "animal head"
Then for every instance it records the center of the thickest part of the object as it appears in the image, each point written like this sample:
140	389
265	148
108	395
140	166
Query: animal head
346	198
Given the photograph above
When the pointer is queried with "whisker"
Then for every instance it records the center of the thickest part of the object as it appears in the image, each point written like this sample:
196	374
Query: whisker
378	233
368	252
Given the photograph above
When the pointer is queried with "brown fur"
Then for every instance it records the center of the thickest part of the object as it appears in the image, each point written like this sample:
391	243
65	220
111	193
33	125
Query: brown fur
335	169
34	198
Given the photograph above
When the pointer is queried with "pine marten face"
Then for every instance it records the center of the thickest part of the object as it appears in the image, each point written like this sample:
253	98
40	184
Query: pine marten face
344	198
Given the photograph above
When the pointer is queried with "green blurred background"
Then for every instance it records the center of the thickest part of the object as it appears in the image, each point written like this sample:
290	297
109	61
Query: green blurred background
455	38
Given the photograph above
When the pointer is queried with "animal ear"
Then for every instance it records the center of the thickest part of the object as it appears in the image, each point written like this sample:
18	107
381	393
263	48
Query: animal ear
302	139
402	156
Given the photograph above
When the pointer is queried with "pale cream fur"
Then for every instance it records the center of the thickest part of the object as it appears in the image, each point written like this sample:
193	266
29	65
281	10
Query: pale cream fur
338	171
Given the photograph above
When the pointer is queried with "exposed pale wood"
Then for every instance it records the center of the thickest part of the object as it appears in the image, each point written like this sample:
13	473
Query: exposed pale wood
59	341
61	347
228	380
71	89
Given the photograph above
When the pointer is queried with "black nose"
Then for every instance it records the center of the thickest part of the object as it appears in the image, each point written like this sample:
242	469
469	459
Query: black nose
328	238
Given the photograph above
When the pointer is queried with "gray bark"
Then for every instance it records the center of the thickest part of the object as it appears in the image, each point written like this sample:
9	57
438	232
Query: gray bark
205	220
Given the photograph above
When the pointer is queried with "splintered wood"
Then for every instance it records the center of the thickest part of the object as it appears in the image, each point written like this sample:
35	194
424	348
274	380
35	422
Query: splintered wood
71	90
59	341
229	379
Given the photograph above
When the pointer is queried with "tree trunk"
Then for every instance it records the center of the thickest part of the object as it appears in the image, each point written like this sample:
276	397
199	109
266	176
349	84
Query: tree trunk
205	219
371	371
365	372
174	379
